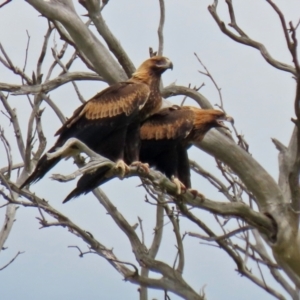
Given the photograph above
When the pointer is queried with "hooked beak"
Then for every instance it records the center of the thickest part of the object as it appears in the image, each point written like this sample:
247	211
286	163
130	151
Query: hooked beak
169	64
227	119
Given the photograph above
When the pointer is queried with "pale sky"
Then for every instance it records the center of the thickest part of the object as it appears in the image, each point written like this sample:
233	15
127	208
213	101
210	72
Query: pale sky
259	97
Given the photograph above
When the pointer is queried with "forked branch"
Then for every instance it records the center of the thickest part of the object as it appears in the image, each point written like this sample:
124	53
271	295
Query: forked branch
242	38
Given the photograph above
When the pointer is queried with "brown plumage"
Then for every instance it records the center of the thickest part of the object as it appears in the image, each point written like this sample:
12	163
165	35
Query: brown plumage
110	121
166	136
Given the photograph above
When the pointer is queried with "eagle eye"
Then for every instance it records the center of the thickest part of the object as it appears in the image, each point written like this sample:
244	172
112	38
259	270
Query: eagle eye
160	63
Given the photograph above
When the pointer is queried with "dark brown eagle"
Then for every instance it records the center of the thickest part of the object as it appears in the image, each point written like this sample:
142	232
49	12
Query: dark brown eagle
166	136
109	123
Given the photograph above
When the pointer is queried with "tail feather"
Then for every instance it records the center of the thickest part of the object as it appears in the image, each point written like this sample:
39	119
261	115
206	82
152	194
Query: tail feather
42	167
88	182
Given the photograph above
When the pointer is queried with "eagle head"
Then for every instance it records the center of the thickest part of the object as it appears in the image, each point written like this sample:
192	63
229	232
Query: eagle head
217	118
209	118
152	67
159	64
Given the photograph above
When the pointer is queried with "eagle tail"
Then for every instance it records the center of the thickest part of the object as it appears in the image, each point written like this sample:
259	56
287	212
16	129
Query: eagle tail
88	182
42	167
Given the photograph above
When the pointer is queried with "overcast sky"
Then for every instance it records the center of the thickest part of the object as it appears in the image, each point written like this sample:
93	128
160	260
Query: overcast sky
259	97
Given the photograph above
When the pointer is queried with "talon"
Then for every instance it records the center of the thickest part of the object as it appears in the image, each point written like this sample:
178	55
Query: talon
180	187
143	166
121	167
195	193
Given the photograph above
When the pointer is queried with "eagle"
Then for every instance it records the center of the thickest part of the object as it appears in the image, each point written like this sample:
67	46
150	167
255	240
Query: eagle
167	135
109	123
165	138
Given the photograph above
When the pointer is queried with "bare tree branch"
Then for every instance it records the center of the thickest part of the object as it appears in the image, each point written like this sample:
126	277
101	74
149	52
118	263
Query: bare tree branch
212	179
84	39
67	38
57	111
161	28
80	97
156	242
8	152
286	158
241	38
208	74
9	215
13	259
15	122
175	222
93	8
58	55
13	167
50	85
221	237
175	90
43	53
8	63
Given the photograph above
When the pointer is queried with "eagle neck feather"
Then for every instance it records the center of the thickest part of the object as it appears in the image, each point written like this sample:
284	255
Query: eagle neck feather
154	101
149	78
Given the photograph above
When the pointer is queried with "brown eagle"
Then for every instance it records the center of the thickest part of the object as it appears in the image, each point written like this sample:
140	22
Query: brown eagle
166	136
109	123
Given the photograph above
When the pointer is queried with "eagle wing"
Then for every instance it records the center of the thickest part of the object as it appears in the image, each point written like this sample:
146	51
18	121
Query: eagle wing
101	123
162	137
169	123
121	98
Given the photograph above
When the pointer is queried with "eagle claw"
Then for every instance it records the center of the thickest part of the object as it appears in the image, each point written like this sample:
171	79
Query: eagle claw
180	187
196	194
141	166
121	167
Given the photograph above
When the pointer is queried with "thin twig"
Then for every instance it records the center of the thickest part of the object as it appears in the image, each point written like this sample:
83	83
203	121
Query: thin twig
180	254
12	67
14	119
57	56
221	237
55	108
8	152
161	27
212	180
43	53
30	135
208	74
13	259
59	62
82	253
13	167
26	52
142	229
